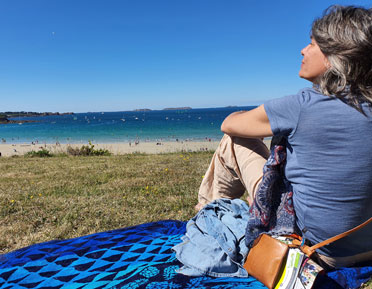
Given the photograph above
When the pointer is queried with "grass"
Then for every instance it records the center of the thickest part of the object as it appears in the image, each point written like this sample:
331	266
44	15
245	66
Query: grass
62	197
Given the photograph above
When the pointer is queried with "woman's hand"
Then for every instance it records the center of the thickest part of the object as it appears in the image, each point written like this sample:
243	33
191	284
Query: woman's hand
248	124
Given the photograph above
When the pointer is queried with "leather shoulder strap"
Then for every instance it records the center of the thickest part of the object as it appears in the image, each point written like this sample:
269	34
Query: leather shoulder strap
339	236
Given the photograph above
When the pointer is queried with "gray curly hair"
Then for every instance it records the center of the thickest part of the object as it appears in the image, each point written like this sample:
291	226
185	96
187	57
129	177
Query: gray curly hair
344	35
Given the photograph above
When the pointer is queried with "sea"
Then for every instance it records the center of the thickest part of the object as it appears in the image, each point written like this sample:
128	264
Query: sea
121	126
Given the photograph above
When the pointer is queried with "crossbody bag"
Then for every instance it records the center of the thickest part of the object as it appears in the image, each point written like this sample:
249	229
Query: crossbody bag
267	255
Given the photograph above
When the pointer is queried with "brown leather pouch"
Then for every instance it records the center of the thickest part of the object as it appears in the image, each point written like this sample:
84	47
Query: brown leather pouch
265	260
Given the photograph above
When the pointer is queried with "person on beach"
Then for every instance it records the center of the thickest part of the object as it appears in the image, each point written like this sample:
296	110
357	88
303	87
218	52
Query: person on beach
327	129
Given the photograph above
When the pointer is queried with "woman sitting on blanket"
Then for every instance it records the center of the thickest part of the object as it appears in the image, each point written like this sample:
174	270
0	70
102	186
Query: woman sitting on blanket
328	132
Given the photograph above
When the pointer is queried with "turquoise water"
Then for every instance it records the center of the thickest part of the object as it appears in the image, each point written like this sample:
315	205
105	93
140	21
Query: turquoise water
108	127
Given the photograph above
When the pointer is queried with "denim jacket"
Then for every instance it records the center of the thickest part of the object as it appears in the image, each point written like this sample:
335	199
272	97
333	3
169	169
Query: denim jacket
214	242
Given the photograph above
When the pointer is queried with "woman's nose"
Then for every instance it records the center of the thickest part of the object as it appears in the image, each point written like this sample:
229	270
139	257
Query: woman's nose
303	50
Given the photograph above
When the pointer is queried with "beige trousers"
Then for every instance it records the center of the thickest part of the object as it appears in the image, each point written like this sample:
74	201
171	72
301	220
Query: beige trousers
236	167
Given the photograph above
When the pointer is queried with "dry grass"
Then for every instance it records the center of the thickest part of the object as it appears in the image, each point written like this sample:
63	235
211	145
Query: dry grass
63	197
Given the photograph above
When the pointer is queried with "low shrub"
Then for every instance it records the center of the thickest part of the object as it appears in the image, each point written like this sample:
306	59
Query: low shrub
87	150
42	153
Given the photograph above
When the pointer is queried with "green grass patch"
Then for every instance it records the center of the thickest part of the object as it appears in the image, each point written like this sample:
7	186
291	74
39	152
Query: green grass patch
64	197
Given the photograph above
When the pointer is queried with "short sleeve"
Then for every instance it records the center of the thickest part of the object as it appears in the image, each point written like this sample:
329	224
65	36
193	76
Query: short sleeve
284	113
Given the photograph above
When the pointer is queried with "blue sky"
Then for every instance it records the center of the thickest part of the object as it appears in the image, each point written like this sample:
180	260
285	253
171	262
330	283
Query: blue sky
112	55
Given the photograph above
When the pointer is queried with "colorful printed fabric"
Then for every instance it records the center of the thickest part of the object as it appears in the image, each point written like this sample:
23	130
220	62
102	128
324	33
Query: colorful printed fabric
133	257
272	209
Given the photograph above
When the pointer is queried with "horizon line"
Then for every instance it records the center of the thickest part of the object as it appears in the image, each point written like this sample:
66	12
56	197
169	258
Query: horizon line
133	110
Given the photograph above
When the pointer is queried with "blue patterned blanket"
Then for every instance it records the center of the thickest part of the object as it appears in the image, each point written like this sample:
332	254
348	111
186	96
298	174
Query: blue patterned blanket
133	257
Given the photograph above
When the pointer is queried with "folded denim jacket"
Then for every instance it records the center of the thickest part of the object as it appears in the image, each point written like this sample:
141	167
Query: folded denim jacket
214	242
218	238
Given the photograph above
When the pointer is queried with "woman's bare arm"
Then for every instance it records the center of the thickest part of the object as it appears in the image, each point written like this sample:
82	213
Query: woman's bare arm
249	124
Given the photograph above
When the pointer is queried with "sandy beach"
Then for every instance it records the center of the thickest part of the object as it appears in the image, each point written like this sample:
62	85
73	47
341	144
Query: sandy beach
8	150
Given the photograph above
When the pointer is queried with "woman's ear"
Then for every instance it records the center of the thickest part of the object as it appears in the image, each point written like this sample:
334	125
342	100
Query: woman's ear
327	63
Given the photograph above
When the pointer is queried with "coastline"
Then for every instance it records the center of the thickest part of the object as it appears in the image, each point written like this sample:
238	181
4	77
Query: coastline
8	150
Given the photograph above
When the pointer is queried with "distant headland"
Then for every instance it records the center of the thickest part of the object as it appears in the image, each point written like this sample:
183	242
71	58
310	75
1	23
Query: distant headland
5	117
167	108
177	108
142	109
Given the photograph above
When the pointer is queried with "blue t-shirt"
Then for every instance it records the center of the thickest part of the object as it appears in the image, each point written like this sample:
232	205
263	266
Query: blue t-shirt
329	164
